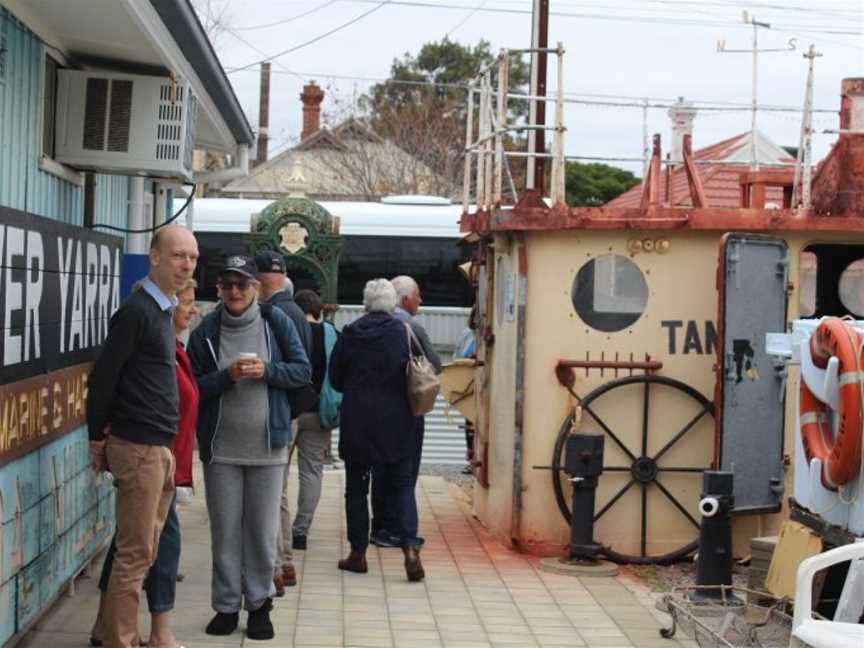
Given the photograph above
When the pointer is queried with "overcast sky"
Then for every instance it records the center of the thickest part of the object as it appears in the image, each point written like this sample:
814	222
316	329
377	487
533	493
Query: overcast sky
637	48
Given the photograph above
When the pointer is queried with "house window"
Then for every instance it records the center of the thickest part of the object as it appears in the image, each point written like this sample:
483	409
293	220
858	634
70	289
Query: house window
49	106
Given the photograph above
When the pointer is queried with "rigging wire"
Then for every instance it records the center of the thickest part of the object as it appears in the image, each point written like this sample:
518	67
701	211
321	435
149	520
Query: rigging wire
466	18
287	20
354	20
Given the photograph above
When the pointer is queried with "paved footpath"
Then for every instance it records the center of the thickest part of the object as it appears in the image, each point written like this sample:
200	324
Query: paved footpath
477	593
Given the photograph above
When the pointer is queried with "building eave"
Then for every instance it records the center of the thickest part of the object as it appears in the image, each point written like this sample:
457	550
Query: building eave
179	18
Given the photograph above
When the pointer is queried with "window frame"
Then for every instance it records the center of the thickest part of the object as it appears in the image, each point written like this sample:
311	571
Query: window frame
46	162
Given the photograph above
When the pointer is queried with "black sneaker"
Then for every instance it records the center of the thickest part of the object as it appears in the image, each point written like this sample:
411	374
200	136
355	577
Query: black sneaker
298	542
258	625
223	624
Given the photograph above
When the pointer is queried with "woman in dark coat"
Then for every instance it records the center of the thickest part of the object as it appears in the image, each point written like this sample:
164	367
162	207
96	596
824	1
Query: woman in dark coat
368	365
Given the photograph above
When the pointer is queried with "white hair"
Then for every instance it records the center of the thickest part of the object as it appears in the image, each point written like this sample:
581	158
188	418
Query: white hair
379	295
404	285
288	287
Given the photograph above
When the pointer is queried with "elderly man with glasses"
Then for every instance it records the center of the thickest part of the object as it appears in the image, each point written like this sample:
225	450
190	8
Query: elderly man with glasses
245	356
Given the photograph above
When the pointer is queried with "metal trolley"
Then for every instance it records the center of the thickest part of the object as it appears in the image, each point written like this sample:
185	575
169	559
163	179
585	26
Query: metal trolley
738	618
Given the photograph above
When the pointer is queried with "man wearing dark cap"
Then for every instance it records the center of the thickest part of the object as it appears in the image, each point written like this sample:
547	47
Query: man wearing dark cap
245	357
278	291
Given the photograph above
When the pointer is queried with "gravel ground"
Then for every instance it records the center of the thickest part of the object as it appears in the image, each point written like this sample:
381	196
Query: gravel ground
662	578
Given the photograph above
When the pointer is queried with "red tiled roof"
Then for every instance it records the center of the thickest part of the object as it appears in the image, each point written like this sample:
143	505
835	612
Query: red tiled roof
721	181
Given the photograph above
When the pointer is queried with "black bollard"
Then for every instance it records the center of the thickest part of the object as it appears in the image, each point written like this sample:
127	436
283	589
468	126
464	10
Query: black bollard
714	566
584	463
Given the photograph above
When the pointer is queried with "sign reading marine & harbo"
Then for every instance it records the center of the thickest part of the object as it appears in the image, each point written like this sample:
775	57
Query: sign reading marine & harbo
59	285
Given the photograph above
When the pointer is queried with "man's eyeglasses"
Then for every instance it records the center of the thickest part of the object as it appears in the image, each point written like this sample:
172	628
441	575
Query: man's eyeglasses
228	284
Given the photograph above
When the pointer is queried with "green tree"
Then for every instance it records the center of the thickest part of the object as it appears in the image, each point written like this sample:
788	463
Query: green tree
592	185
448	63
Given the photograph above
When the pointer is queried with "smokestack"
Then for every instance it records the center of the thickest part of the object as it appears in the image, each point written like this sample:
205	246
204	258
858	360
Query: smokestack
682	115
312	97
263	114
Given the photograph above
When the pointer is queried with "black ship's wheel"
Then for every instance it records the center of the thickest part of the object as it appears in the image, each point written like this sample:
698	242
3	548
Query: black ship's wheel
645	469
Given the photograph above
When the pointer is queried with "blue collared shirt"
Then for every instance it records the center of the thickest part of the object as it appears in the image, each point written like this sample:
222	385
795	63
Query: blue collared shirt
162	300
404	315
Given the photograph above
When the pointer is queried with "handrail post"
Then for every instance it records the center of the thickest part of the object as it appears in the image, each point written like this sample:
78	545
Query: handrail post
469	132
488	146
481	158
557	189
503	83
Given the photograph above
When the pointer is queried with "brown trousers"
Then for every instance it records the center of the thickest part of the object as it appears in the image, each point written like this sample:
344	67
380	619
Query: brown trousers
144	476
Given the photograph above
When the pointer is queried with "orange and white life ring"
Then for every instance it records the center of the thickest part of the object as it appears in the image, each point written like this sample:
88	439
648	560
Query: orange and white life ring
840	456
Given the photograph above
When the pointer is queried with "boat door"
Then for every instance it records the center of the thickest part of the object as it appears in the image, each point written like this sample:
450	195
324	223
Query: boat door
752	283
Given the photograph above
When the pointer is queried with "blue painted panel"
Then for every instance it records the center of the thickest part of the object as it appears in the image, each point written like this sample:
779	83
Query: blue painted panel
7	611
9	558
29	600
48	530
30	529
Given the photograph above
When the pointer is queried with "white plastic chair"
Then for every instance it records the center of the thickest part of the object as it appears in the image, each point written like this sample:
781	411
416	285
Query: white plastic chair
807	631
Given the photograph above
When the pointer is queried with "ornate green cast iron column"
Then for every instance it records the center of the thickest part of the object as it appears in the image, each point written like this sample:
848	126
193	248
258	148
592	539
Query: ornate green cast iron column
307	236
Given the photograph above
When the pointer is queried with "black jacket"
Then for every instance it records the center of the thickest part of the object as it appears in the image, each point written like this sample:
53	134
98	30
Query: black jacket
284	301
368	366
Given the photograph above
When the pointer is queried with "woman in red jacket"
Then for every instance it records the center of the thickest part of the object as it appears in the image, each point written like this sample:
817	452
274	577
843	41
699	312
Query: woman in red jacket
161	581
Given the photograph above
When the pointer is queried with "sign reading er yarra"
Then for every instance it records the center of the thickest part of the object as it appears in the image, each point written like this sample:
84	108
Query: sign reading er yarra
59	285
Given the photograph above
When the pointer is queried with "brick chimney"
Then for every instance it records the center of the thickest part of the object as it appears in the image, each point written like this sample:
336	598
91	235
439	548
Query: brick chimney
312	97
263	114
682	115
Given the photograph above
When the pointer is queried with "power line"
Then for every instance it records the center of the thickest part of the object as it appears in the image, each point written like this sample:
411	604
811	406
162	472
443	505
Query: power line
316	39
466	18
598	16
285	21
630	100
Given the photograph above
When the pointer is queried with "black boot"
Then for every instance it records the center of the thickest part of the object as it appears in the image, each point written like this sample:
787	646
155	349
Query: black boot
413	567
258	624
355	562
223	624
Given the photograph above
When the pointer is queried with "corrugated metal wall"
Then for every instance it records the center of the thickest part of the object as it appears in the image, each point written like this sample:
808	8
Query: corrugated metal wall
444	325
23	185
53	511
443	440
112	201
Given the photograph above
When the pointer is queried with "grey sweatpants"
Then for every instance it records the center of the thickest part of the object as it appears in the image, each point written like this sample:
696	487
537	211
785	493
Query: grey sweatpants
312	442
243	504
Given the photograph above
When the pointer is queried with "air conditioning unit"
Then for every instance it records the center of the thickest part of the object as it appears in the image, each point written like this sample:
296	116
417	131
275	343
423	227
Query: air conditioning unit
125	124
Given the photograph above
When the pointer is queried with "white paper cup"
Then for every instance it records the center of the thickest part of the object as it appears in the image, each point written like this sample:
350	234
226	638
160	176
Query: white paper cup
248	356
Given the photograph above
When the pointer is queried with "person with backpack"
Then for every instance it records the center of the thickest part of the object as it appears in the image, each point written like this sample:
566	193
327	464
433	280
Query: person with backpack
314	427
245	357
277	290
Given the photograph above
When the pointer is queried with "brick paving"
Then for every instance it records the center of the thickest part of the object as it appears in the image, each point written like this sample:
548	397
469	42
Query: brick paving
477	593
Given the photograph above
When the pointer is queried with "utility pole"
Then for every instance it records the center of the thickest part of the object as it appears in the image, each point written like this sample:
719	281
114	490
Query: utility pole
750	19
535	171
263	114
803	176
